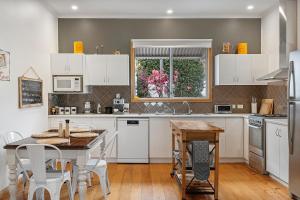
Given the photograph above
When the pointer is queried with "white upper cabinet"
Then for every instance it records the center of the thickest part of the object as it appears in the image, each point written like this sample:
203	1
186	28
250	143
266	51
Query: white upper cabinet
96	69
118	70
240	69
67	64
107	69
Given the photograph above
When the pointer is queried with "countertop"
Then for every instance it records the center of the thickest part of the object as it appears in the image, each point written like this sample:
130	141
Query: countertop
282	121
153	115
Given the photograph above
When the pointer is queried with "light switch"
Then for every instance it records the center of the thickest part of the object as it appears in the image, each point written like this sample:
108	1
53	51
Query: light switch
233	106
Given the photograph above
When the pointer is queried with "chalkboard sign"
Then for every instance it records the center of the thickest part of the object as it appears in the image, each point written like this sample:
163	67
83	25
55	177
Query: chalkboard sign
30	92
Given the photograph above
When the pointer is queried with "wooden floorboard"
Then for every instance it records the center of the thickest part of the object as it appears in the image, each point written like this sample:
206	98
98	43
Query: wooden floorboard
153	182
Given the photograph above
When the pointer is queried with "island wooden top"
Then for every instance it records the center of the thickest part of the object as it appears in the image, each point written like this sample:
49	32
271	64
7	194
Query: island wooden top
195	126
75	143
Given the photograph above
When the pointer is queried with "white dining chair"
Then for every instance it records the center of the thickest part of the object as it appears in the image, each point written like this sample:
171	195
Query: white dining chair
98	165
42	179
14	136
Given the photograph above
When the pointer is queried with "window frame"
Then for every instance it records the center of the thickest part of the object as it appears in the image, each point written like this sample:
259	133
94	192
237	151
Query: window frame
135	99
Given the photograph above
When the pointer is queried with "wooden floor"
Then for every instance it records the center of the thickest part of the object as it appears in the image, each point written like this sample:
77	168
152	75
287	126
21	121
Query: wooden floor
153	182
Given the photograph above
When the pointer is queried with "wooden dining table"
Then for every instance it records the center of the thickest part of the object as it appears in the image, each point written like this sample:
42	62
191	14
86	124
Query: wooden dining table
77	149
186	131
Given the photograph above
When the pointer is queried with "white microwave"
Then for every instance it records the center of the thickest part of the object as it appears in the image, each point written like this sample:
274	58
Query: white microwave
67	83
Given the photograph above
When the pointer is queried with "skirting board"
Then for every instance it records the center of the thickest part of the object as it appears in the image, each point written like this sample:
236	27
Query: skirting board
278	180
169	160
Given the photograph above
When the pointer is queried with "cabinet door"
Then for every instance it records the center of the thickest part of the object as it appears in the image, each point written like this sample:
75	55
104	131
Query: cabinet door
225	70
59	64
234	138
272	149
259	68
243	69
284	154
108	124
246	140
96	69
219	122
75	64
118	70
160	138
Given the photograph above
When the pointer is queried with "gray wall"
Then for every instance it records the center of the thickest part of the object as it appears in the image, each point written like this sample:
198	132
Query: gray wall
116	33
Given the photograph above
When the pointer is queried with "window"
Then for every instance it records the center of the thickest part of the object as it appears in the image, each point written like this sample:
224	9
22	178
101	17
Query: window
171	70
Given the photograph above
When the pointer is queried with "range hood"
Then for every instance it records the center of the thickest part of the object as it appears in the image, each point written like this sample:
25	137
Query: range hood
284	49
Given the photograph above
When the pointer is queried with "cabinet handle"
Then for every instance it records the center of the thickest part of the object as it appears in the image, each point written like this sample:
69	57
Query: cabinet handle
104	79
279	130
108	79
276	132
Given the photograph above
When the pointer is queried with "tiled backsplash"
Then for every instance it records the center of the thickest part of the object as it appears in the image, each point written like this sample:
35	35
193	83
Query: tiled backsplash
221	95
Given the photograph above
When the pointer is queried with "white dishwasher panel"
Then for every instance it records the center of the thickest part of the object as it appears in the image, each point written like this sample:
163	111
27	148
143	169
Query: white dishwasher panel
133	140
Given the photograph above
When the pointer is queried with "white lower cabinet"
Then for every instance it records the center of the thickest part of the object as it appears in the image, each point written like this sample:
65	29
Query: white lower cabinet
234	138
277	152
160	139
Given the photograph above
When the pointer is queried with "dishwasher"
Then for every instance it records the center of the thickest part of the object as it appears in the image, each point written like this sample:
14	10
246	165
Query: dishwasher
133	140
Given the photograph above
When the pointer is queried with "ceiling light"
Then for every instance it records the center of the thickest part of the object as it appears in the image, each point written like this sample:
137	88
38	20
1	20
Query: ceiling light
74	7
250	7
169	11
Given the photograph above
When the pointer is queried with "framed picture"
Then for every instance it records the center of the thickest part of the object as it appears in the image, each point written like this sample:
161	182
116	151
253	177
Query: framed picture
4	65
30	92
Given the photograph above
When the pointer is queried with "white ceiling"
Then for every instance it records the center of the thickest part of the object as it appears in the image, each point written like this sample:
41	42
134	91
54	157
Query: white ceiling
157	8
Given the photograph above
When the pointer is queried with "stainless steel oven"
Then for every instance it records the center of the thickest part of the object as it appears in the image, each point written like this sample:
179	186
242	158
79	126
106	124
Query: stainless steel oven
257	142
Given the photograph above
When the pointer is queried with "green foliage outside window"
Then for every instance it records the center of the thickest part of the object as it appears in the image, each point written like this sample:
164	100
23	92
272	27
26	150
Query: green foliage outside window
188	77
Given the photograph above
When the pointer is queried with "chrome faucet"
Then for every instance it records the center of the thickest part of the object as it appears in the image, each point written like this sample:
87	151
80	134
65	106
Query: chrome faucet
189	111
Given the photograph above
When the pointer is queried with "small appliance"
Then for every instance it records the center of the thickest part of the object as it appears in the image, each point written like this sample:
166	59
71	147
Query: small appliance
118	103
223	109
67	83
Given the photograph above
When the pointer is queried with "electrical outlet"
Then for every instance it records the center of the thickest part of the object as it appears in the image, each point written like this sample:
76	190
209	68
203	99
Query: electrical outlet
240	106
233	106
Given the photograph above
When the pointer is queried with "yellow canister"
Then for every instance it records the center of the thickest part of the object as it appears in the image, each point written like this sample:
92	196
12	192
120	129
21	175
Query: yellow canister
242	48
78	47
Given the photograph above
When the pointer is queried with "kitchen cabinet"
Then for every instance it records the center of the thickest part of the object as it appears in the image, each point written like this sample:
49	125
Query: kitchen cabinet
107	69
240	69
246	140
234	138
67	64
277	152
160	138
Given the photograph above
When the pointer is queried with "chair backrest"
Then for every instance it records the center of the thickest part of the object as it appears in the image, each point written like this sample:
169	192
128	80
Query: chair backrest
109	143
37	157
12	136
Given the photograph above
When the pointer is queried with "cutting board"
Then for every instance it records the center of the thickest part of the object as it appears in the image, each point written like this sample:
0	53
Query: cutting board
267	106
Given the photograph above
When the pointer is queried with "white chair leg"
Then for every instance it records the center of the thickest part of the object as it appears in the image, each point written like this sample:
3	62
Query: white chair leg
74	179
107	183
70	190
30	194
40	194
24	179
102	177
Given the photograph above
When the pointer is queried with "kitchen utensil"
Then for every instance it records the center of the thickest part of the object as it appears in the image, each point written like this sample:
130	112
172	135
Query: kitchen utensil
87	107
45	135
84	135
99	108
266	107
52	141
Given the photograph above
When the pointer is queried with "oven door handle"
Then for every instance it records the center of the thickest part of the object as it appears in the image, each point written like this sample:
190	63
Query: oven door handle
257	127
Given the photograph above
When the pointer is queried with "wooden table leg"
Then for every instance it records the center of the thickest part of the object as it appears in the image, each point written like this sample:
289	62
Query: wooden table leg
12	166
173	158
183	170
216	181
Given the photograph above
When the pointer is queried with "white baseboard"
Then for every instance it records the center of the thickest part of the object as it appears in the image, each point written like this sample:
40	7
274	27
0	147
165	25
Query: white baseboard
278	180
